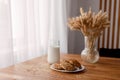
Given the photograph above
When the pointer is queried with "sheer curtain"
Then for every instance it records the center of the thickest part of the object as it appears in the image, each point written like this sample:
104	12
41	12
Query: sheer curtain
25	28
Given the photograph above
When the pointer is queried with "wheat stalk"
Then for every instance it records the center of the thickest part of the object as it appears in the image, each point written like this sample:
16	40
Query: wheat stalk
89	23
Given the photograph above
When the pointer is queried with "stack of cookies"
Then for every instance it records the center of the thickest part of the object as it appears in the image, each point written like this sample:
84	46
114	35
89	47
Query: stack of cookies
69	65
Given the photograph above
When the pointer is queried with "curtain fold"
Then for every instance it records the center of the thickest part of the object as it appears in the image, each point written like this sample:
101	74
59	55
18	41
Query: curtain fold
6	46
26	27
58	23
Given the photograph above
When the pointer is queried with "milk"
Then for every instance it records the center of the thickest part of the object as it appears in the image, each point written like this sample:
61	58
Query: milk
53	54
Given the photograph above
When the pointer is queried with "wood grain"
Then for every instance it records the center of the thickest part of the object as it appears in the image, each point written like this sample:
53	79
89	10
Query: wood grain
113	26
100	8
38	69
103	39
108	33
118	30
111	36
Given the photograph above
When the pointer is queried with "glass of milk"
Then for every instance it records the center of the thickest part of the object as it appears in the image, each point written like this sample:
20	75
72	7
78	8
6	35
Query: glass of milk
53	52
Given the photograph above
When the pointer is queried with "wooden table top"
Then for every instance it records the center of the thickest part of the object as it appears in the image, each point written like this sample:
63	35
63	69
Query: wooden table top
38	69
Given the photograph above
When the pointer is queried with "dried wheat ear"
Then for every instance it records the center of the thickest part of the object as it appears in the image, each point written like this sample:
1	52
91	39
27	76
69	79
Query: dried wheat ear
89	23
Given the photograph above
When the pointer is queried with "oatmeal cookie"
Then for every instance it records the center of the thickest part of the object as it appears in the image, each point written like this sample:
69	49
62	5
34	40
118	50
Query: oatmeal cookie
67	66
57	66
74	62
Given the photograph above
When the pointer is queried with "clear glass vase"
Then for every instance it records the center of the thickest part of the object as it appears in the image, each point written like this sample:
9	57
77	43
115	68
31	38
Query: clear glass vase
90	53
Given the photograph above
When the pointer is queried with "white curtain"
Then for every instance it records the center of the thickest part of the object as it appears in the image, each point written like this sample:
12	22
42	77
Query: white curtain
25	28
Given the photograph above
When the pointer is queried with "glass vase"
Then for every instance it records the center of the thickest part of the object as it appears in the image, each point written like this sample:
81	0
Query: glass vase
90	53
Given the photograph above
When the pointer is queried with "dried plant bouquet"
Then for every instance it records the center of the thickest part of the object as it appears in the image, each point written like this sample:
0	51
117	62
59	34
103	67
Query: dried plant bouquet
91	25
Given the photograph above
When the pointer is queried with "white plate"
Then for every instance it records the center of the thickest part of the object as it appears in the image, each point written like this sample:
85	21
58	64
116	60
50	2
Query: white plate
77	69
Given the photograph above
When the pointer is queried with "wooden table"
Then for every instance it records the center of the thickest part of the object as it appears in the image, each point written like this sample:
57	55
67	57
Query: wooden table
38	69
